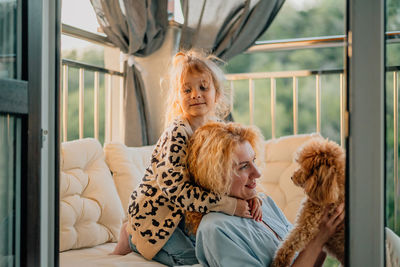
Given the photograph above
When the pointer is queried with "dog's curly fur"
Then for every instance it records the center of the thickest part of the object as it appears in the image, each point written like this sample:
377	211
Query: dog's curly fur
322	176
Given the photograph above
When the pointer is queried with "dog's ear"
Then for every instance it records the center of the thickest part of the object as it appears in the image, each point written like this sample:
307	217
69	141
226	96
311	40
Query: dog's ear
322	186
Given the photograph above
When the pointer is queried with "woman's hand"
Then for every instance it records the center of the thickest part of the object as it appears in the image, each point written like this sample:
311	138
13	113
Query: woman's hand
242	209
255	208
329	224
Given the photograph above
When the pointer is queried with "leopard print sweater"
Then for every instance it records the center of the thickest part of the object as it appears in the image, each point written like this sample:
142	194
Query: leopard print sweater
159	202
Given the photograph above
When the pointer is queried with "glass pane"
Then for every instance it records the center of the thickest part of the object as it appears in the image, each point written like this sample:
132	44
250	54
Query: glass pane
79	14
8	36
82	51
392	118
298	19
306	105
241	111
330	107
284	107
10	134
262	106
392	186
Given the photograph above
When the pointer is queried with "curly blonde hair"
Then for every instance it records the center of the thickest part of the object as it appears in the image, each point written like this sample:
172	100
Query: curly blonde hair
211	157
185	63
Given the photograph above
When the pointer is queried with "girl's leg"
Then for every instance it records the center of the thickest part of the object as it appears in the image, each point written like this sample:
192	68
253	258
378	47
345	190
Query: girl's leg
122	247
179	249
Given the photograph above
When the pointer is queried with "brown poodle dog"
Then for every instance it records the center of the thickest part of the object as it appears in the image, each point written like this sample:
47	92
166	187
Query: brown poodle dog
322	176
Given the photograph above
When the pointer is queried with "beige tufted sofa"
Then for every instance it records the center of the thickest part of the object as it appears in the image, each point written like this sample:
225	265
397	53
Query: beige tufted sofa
93	200
277	169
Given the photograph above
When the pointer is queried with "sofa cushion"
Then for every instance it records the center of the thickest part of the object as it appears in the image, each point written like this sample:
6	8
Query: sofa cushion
90	209
127	165
392	248
276	172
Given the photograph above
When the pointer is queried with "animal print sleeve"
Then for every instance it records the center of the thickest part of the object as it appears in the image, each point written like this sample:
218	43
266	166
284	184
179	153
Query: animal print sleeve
169	163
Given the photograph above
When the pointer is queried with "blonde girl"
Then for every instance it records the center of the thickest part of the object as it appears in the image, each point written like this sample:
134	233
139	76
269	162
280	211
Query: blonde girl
157	206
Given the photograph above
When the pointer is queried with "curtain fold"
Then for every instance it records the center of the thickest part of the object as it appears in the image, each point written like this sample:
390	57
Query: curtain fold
138	28
226	28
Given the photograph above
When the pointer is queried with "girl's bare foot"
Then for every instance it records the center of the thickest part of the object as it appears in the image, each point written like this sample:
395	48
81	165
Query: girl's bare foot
122	247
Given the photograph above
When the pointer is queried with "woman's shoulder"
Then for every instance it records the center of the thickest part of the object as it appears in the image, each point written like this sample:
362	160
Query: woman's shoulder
217	222
214	220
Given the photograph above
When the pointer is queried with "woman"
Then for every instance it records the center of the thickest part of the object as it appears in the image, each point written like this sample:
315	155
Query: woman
222	240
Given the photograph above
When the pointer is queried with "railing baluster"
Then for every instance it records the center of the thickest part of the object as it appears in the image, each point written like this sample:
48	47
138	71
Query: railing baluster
231	97
96	105
81	101
342	111
108	111
396	147
318	101
66	64
65	103
251	101
273	103
295	105
121	110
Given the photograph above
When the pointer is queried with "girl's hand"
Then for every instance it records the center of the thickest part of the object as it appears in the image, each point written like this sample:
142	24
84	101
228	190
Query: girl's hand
242	209
255	208
328	224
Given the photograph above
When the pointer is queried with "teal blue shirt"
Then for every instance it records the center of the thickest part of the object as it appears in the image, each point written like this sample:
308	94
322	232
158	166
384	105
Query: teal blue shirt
224	240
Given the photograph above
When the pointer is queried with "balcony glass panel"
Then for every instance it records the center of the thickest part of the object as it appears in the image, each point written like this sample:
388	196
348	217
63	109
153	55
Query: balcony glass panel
298	19
8	37
392	119
79	14
10	179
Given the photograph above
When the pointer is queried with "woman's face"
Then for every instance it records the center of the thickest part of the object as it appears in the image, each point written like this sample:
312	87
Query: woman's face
245	172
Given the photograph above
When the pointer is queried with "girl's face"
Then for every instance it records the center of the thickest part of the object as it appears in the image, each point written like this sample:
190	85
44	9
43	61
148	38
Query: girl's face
245	173
198	96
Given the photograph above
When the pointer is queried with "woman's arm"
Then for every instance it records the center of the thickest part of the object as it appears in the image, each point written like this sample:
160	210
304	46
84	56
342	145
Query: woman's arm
313	255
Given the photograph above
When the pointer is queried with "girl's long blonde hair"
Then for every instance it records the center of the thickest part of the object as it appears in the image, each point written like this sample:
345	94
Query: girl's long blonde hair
189	62
211	157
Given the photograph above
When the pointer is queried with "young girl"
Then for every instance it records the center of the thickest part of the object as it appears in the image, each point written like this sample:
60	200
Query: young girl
158	204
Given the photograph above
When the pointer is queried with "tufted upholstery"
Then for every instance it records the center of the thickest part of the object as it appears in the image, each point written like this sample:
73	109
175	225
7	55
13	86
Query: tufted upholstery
277	169
392	248
90	209
127	165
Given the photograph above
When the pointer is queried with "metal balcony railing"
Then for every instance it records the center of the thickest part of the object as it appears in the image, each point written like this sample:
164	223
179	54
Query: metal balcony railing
110	75
294	75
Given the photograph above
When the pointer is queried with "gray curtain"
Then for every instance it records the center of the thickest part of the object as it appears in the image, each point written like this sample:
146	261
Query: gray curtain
226	28
138	28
